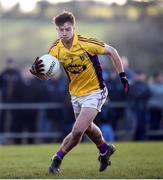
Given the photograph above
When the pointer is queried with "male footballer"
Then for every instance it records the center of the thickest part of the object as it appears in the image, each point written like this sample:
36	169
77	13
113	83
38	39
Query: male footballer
78	55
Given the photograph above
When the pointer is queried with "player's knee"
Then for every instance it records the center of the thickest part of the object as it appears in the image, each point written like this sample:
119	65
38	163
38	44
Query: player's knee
76	133
89	129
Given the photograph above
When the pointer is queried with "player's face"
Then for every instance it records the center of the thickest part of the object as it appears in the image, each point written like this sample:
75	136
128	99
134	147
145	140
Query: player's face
66	32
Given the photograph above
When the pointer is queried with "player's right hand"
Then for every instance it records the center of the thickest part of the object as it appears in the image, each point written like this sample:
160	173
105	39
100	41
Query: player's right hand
37	69
125	82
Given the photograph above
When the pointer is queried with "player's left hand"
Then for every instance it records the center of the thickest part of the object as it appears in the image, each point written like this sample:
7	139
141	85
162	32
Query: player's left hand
124	81
37	67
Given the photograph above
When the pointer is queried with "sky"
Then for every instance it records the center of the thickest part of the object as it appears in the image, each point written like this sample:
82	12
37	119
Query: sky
28	5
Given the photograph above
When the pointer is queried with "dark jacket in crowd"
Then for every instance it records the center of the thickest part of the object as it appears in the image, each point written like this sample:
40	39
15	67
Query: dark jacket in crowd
10	79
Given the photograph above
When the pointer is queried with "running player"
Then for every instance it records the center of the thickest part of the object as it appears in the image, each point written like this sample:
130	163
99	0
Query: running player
78	55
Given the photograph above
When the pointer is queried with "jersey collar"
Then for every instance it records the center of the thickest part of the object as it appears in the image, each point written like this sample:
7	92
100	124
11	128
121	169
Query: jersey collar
75	41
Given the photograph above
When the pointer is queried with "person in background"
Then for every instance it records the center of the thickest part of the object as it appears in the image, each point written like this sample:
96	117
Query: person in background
116	95
56	90
29	91
129	72
10	79
139	96
156	101
128	113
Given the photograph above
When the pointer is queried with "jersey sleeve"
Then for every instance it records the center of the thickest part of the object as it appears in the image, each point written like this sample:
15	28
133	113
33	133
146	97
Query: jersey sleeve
95	47
53	50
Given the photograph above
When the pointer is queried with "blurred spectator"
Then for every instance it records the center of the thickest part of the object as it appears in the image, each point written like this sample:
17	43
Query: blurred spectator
116	95
104	65
122	110
128	113
116	91
105	124
156	101
25	88
29	91
129	72
10	79
69	118
139	96
55	90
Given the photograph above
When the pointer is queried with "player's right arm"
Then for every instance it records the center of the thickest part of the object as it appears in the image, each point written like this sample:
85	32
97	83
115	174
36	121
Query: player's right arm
116	60
95	47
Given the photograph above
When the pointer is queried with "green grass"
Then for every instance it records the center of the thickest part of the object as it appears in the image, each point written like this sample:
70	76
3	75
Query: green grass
131	160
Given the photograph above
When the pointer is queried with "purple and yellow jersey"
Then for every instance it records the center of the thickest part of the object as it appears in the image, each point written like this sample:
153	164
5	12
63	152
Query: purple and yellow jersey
81	64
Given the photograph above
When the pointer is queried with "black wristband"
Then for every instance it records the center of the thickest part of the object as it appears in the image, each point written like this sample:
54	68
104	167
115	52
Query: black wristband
122	74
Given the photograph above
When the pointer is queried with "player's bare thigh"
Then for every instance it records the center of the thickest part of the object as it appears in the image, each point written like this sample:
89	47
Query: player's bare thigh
90	126
84	118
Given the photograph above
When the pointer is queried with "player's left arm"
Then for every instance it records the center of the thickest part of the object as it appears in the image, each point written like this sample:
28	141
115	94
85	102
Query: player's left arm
37	68
117	63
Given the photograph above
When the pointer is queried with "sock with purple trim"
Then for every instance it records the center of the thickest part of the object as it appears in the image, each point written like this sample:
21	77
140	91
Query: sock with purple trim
103	148
60	153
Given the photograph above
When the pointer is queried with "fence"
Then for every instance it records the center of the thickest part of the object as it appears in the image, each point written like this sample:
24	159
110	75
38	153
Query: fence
57	135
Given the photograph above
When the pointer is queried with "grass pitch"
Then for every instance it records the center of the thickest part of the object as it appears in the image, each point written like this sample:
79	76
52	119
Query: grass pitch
131	160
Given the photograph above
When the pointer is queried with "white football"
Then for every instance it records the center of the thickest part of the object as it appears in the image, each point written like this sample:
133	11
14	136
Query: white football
51	65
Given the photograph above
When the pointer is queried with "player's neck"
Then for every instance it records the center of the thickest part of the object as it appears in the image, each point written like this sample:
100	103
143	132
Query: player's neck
68	43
